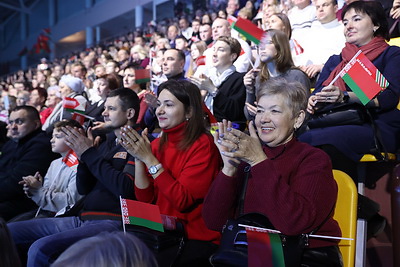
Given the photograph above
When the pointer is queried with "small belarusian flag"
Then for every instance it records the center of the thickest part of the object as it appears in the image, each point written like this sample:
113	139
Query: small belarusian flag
71	159
264	248
249	30
73	105
297	48
363	78
231	19
81	117
78	117
142	76
141	214
201	60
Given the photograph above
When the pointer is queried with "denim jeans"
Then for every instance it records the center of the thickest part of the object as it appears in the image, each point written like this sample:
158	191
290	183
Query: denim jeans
47	238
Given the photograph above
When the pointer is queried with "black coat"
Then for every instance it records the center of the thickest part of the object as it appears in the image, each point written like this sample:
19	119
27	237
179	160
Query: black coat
230	99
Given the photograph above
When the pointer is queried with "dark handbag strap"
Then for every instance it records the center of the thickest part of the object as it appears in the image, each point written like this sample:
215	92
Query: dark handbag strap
244	189
304	237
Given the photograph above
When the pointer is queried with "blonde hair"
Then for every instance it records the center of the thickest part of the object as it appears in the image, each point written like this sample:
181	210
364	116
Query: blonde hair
140	50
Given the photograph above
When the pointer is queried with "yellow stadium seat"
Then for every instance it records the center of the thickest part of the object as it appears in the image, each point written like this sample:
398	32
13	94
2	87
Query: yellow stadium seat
394	41
346	215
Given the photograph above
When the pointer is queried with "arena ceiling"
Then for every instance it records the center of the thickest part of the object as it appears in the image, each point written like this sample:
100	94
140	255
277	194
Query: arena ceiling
11	8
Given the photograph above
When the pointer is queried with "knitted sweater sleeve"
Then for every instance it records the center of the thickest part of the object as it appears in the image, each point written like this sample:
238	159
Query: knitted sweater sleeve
194	180
301	204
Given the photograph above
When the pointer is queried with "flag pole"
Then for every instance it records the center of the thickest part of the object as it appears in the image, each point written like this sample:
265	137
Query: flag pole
122	214
339	74
62	109
251	63
278	232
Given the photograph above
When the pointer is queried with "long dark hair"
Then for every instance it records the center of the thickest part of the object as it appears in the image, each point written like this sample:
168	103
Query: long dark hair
189	94
283	59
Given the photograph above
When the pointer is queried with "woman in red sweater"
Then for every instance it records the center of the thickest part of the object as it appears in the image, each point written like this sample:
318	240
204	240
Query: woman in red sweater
289	182
176	170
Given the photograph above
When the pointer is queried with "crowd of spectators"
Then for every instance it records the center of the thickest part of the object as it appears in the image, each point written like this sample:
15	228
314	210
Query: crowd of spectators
201	48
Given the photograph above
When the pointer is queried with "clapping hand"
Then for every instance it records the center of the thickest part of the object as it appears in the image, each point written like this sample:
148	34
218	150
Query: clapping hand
137	145
30	181
204	83
77	140
235	146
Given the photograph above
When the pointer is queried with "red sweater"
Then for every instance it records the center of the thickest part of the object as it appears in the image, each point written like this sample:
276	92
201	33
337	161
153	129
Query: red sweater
294	188
180	190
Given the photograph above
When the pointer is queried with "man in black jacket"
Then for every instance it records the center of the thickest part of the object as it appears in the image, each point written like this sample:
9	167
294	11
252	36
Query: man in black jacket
104	174
28	151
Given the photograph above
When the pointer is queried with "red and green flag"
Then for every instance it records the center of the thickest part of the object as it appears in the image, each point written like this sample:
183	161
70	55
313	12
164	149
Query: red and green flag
231	19
249	30
78	117
142	76
73	105
141	214
264	248
363	78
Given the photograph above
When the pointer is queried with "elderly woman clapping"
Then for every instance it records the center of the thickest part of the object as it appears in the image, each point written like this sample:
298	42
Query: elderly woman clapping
289	182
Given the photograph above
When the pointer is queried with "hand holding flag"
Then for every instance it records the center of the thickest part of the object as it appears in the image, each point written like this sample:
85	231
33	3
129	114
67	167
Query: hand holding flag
363	78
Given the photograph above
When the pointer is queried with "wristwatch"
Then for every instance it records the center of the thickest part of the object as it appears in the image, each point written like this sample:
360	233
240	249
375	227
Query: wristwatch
346	96
155	168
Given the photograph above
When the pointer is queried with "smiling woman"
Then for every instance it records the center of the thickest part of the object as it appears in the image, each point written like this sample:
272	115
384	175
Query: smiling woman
289	182
366	29
176	170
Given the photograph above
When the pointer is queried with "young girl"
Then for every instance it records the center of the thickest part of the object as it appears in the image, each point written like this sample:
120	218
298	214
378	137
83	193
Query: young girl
276	61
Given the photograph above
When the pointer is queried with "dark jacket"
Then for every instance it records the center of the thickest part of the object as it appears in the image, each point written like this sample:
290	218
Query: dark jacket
230	100
22	158
104	174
